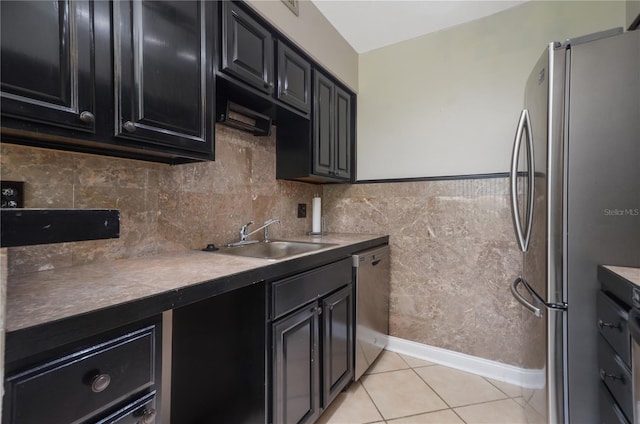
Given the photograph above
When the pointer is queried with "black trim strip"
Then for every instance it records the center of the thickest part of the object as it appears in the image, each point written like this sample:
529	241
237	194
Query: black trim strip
443	178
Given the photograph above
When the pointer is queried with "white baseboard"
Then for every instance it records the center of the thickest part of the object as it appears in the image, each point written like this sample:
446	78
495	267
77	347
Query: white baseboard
530	379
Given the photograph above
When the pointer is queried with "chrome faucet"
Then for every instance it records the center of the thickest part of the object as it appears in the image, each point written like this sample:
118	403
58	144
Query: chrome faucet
244	232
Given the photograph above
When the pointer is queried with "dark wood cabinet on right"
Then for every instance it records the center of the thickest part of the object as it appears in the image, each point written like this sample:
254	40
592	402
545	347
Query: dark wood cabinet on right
319	150
331	129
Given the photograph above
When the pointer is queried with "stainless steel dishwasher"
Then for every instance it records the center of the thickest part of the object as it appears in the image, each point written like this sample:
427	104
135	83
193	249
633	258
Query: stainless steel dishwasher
372	279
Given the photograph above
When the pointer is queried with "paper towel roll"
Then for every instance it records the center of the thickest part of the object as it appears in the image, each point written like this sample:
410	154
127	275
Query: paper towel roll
316	215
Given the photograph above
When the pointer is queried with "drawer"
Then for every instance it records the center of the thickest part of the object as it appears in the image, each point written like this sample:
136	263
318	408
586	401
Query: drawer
293	292
612	324
72	388
616	377
142	411
610	412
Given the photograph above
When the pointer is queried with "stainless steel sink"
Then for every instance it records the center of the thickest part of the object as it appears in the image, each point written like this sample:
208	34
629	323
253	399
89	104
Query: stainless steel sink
275	249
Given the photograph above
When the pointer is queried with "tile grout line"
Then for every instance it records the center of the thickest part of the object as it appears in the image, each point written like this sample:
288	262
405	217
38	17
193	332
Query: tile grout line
437	394
371	399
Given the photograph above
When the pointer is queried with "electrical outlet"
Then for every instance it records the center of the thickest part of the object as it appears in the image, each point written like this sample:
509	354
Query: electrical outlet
12	194
302	210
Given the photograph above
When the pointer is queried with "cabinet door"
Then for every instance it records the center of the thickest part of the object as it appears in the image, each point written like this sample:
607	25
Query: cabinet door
294	78
323	125
247	48
296	367
163	70
343	134
47	62
337	342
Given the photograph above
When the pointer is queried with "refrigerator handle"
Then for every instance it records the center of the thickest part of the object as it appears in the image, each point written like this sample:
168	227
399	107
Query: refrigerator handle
531	176
514	291
513	181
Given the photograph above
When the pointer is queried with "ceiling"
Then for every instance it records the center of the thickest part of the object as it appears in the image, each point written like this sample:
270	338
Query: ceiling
371	24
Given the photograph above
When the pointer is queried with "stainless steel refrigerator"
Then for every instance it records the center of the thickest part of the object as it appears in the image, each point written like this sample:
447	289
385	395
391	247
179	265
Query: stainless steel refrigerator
575	191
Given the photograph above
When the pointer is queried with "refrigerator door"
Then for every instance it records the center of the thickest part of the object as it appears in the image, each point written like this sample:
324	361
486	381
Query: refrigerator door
537	188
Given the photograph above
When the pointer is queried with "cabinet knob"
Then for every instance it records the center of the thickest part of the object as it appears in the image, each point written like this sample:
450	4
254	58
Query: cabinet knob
129	126
604	375
87	117
100	382
603	324
148	416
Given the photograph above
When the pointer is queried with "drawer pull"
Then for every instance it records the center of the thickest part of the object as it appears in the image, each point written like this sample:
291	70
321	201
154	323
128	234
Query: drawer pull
100	382
603	324
129	126
604	376
148	416
87	117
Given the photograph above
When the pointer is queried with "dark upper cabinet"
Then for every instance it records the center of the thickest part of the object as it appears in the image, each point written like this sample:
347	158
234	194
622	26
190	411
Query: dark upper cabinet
247	48
47	62
319	150
163	72
294	78
332	129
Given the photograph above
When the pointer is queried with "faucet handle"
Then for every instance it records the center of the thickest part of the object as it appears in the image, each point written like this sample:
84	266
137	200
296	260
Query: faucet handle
244	231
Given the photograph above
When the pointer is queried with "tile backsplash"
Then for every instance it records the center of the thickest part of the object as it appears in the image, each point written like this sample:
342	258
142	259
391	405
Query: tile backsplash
453	256
453	252
163	208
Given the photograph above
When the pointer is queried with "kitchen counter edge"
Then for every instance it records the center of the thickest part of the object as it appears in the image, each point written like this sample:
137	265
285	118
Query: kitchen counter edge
39	333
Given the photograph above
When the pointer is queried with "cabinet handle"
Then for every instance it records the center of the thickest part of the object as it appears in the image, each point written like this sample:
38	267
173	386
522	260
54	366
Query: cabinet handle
148	416
129	126
87	117
100	382
603	324
604	376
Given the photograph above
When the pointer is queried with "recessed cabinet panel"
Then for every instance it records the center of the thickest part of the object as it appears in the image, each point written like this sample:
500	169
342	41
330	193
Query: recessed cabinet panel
164	86
47	62
337	344
247	48
294	78
343	134
296	368
323	122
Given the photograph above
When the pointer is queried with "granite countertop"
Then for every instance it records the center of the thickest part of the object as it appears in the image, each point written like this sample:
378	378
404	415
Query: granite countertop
157	283
628	273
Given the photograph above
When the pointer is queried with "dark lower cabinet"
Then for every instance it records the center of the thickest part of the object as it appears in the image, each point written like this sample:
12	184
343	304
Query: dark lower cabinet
312	343
164	82
337	349
296	367
47	62
112	378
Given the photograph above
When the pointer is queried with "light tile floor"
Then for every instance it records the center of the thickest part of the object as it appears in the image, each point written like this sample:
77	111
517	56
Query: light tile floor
400	389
